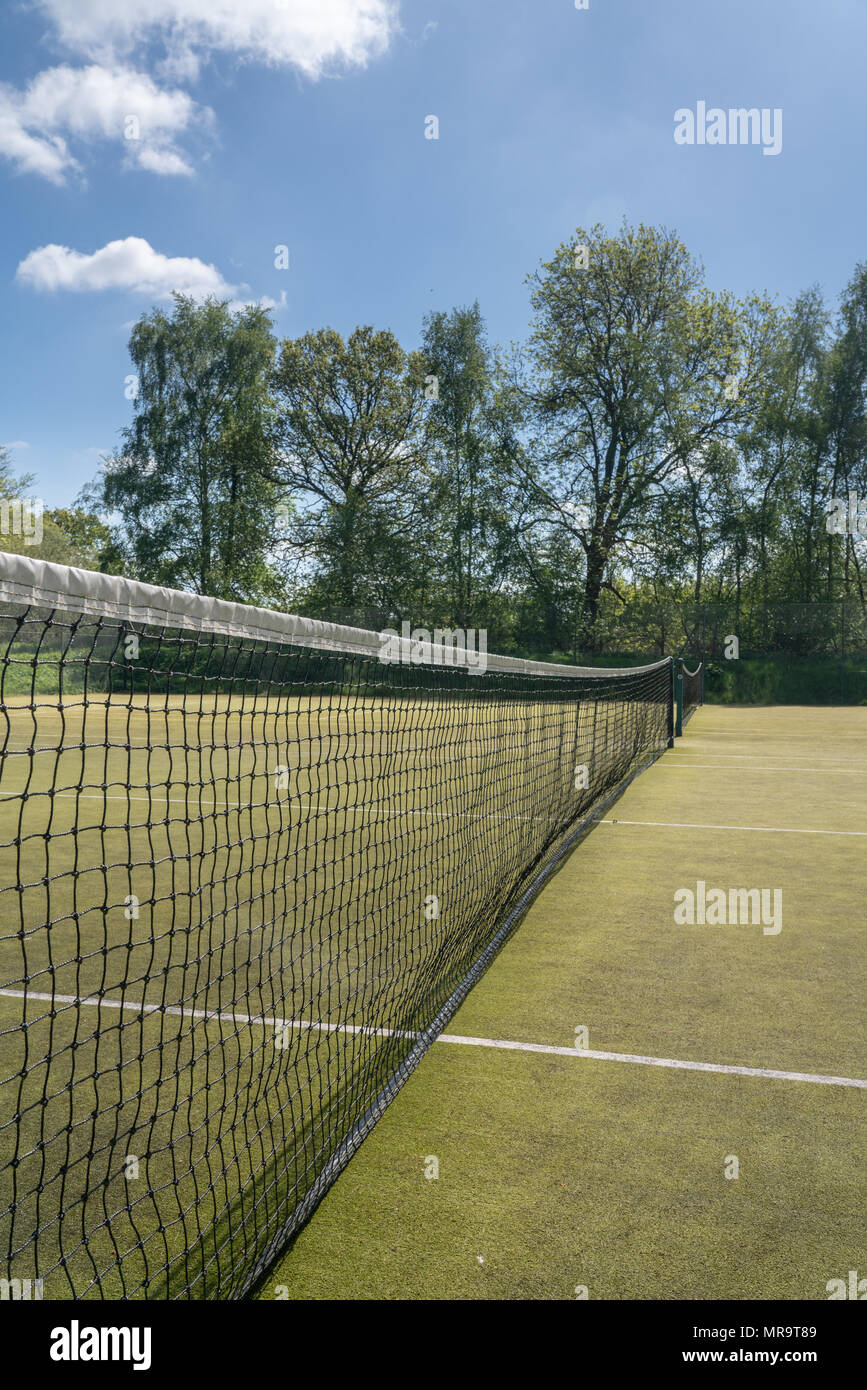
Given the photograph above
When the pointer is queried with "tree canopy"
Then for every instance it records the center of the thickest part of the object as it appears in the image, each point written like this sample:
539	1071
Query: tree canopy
655	447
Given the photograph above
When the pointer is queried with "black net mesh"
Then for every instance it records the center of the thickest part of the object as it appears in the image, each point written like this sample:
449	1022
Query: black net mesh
241	882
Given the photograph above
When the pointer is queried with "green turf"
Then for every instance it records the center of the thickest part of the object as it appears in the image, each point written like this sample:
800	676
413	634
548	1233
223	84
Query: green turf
558	1173
260	899
564	1171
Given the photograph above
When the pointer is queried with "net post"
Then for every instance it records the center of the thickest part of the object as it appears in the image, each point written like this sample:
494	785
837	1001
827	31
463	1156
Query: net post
673	684
678	698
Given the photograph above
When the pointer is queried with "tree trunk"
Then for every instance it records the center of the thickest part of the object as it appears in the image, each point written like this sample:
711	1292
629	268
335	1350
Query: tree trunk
592	592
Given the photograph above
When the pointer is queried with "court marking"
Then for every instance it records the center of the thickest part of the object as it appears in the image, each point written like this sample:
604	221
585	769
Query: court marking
502	1044
694	825
813	757
319	809
754	767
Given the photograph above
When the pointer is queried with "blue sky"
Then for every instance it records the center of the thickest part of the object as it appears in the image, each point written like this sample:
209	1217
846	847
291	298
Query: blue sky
302	122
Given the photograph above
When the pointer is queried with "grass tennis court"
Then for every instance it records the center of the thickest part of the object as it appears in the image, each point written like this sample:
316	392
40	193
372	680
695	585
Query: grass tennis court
278	853
559	1171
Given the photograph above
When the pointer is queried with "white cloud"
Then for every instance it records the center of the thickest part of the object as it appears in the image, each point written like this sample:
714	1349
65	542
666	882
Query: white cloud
95	103
16	444
163	161
34	154
130	265
264	301
63	104
314	36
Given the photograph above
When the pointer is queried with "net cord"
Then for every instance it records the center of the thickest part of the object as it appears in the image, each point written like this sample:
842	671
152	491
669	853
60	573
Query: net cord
43	584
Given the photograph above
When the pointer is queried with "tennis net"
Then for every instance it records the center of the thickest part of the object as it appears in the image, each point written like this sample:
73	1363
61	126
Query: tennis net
693	689
249	867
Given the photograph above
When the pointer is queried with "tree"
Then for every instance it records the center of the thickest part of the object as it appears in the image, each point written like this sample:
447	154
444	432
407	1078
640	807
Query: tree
637	367
10	486
785	455
89	537
194	484
59	535
349	416
845	425
469	499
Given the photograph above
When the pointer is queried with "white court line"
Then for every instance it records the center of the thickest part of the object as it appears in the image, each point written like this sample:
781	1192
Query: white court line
755	767
321	810
813	758
693	825
546	1048
180	1012
655	1061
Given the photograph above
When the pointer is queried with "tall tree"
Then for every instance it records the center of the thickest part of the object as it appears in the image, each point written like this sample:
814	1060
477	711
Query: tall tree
349	416
469	498
845	420
784	456
194	484
637	367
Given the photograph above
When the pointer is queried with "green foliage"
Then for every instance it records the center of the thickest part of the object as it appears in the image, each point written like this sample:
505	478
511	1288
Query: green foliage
781	679
639	374
650	474
348	419
89	538
469	510
195	483
10	486
68	537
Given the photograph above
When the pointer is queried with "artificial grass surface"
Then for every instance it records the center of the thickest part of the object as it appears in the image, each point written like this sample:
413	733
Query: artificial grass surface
279	853
562	1171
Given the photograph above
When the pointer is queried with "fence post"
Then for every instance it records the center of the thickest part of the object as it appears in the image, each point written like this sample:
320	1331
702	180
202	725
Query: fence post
678	698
